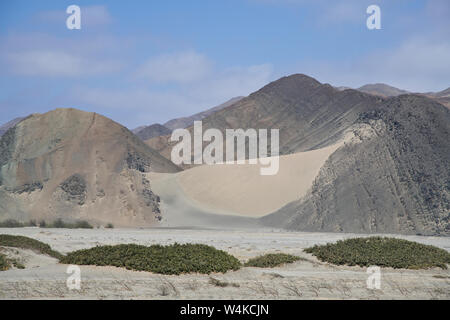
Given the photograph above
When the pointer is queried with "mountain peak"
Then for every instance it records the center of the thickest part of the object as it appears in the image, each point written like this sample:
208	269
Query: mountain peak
77	164
382	89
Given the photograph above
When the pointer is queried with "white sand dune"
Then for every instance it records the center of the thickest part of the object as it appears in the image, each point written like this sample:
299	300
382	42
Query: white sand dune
240	190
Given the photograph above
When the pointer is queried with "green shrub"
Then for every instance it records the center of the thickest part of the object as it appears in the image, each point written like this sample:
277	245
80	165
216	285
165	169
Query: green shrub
271	260
172	259
7	240
382	252
109	226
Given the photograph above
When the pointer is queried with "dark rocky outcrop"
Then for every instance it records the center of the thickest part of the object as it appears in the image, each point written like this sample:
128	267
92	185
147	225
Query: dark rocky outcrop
29	187
75	189
393	176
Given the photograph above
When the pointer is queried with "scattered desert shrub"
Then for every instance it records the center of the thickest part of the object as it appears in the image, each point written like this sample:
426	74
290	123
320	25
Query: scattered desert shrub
11	223
4	263
17	264
271	260
172	259
59	223
7	240
109	226
32	223
222	284
382	252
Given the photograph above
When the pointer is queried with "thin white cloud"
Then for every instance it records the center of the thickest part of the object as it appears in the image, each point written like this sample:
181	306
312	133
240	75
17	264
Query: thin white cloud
237	81
338	12
38	54
182	67
418	64
57	64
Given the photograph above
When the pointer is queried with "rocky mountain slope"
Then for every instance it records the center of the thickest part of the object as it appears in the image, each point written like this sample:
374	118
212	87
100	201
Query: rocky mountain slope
72	165
157	130
308	114
382	89
10	124
185	122
392	175
441	96
151	131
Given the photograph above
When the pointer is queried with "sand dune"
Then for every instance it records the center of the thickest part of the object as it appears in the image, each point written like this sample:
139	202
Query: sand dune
240	190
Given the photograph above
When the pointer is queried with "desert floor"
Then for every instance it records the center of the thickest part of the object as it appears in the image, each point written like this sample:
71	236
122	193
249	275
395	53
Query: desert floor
45	278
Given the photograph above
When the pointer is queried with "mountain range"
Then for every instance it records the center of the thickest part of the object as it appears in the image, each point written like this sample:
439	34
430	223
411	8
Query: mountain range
156	129
387	169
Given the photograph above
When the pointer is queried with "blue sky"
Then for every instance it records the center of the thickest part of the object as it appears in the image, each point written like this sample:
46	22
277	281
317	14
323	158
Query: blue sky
140	62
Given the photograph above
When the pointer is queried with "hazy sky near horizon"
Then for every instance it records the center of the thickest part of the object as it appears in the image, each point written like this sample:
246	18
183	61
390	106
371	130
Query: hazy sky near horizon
141	62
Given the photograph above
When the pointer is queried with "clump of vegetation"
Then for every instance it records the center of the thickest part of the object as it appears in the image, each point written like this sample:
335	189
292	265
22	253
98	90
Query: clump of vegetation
59	223
172	259
271	260
11	223
109	226
222	284
7	240
382	252
17	264
4	263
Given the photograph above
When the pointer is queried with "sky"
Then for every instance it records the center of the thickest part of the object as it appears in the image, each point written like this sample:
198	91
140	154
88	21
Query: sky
142	62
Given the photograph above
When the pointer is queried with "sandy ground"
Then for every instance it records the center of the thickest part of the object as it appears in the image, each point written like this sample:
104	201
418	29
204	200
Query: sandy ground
44	278
241	189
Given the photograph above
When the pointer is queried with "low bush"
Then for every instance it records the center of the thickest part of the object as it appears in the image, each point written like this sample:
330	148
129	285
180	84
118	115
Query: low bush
4	263
59	223
271	260
382	252
217	283
11	223
7	240
172	259
109	226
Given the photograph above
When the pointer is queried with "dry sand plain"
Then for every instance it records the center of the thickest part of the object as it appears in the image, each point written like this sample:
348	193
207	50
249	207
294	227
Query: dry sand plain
44	278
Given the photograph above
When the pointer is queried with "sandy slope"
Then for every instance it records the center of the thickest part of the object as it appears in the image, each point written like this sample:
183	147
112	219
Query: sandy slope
240	190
